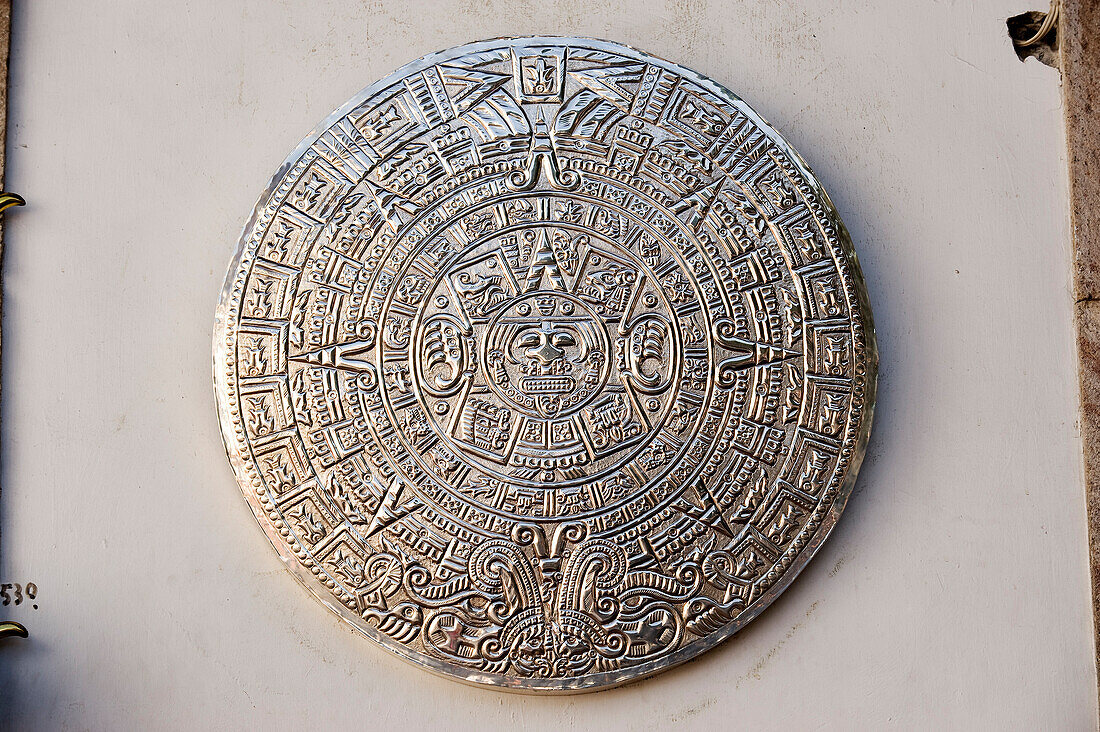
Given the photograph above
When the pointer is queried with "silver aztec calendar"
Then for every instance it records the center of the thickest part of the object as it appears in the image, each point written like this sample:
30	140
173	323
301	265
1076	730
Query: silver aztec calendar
545	363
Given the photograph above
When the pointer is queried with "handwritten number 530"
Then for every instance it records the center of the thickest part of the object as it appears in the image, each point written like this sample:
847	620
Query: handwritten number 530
30	591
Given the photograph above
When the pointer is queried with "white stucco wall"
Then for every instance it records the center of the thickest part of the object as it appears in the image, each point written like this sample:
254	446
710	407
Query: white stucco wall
954	591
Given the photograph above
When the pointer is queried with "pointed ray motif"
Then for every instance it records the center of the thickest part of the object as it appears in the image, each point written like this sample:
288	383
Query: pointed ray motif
468	87
705	512
697	203
752	353
748	352
342	357
391	509
392	206
614	84
479	98
544	263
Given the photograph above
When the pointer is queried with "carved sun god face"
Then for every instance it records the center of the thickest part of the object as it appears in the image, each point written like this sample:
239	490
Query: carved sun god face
546	354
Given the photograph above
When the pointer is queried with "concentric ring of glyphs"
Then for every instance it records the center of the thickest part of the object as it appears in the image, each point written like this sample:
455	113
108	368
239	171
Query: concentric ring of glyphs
546	363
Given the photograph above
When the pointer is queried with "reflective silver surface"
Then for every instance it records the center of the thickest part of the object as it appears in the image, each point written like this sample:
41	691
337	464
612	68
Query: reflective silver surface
545	363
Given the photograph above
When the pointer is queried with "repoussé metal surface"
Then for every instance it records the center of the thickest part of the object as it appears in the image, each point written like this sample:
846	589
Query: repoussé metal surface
545	363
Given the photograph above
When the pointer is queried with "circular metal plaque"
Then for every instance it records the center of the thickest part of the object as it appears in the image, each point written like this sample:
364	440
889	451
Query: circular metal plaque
545	363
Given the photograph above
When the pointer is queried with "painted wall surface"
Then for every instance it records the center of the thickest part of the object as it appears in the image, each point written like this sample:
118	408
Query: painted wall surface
953	593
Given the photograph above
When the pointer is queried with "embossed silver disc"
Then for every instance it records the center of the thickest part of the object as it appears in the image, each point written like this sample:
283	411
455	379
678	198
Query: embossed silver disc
545	363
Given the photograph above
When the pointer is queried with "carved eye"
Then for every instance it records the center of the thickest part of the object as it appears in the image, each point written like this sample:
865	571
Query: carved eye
561	339
529	339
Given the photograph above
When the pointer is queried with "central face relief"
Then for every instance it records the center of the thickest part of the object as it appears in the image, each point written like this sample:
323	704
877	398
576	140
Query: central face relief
546	354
